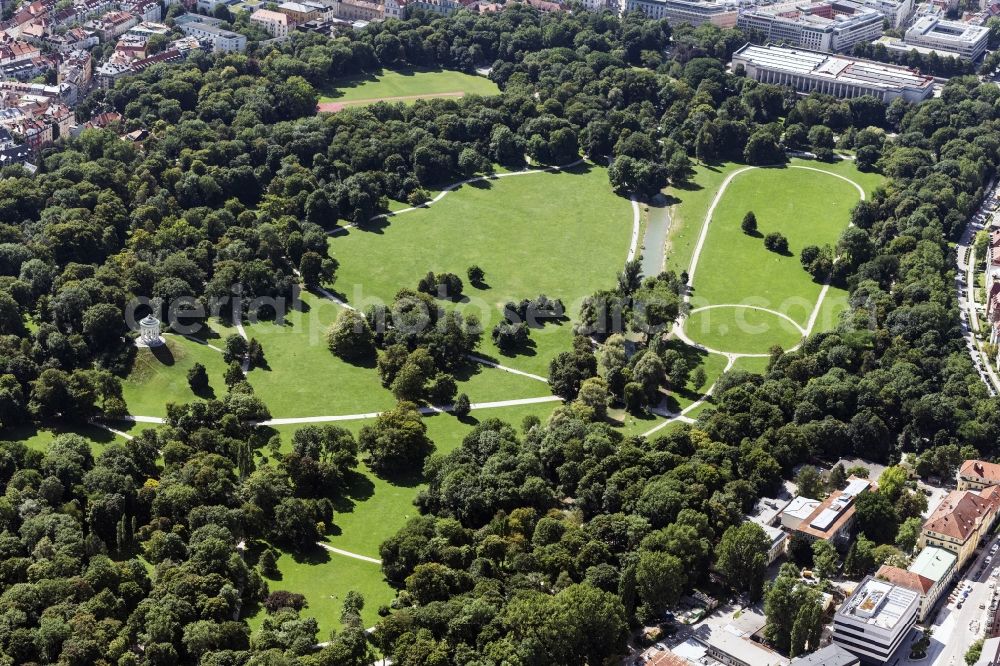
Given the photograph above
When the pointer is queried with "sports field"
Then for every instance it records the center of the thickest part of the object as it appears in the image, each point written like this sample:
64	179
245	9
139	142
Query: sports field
407	86
564	235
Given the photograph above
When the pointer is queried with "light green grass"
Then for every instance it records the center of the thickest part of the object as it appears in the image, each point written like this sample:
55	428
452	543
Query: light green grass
741	330
808	207
325	579
560	234
408	83
303	378
40	438
159	376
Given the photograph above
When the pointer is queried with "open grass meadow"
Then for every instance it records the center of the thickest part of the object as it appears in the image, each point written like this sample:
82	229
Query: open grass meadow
39	438
564	235
303	378
806	206
411	83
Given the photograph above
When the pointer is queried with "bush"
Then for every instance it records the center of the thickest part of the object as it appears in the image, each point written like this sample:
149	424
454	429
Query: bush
462	406
775	242
284	599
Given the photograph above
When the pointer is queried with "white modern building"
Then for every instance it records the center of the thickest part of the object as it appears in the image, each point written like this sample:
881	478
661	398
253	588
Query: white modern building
874	621
797	510
722	14
840	76
220	39
897	12
965	39
832	25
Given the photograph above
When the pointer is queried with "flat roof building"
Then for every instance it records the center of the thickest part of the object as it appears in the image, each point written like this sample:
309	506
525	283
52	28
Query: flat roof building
829	25
873	622
221	40
840	76
833	519
831	655
932	32
722	14
797	510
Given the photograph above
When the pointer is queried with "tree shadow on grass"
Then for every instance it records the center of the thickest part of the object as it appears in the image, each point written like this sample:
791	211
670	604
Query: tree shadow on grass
311	555
377	225
207	393
357	488
163	354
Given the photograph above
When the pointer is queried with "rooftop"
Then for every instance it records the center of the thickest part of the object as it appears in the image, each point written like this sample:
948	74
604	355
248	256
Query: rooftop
832	513
959	514
268	15
831	655
878	603
980	468
933	563
731	641
932	26
833	67
903	578
801	507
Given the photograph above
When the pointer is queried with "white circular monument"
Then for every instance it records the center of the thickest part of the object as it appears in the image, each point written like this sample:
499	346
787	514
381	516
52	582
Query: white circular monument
149	332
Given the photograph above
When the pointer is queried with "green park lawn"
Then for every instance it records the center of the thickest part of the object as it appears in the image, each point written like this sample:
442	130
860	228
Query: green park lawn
40	438
807	207
564	235
408	83
159	376
303	378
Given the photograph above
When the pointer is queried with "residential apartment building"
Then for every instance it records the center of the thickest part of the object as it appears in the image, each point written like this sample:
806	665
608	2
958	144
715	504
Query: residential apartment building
696	12
978	474
275	23
832	25
833	519
225	41
298	13
874	621
841	76
361	10
960	522
113	24
929	575
965	39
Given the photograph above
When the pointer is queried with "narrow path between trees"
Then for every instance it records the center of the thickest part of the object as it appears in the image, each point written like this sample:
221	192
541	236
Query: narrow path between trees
347	553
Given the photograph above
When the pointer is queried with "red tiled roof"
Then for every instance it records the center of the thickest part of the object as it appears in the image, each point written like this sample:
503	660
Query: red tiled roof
959	514
666	658
904	578
980	468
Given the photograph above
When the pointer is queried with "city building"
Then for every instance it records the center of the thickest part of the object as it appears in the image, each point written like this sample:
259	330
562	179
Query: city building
695	12
147	29
361	10
298	13
830	25
833	519
797	510
831	655
928	576
841	76
221	40
275	23
443	7
960	522
978	474
990	656
967	40
113	24
875	619
897	12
